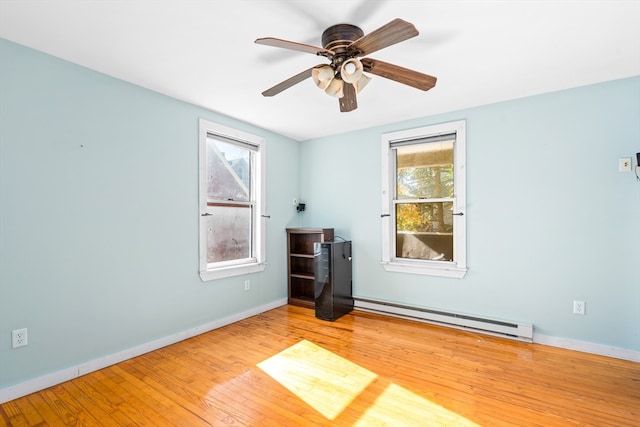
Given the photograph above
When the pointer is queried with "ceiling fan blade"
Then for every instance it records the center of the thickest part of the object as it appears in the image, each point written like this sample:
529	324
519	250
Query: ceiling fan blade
348	102
300	47
289	82
389	34
399	74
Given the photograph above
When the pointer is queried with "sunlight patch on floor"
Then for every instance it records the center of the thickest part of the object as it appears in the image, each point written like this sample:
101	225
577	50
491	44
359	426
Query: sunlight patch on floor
329	383
398	406
325	381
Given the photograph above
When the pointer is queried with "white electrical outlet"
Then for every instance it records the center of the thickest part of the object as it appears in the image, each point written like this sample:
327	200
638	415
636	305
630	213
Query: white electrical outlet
295	201
624	164
579	307
247	285
19	338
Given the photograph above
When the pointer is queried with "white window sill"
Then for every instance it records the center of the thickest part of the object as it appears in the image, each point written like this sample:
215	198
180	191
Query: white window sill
429	269
235	270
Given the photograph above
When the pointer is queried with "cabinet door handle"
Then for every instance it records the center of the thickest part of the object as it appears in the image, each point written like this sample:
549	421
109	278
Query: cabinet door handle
458	214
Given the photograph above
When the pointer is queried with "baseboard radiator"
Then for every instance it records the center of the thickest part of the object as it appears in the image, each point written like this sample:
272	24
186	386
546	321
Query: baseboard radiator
506	329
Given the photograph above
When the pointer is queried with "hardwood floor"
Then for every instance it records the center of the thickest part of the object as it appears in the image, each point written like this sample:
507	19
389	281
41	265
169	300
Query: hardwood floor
285	367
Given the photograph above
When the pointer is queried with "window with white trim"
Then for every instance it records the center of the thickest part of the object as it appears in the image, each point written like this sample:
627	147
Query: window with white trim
423	200
231	202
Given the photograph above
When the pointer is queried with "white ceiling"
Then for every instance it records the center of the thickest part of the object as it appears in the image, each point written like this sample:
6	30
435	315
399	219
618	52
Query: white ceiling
203	52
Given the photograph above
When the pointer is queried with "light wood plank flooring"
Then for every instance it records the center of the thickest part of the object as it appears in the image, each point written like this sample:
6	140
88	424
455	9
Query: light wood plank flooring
287	368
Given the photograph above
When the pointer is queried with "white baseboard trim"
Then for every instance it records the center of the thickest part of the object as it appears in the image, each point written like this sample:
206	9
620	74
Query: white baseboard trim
45	381
587	347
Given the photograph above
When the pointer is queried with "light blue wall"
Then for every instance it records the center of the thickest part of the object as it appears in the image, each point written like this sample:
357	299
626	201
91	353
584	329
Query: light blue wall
550	218
99	216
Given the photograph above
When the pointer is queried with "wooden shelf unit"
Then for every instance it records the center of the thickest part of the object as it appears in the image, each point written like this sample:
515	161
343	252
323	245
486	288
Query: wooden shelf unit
300	263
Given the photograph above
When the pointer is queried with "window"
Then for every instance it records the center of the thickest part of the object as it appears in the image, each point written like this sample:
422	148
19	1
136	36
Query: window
423	200
231	202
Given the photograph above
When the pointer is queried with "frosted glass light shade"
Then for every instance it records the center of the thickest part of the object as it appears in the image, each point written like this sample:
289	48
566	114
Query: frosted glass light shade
361	83
351	70
335	88
322	76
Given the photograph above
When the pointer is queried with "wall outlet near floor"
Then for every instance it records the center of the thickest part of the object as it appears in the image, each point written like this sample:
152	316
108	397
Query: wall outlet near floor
579	307
295	201
19	338
247	285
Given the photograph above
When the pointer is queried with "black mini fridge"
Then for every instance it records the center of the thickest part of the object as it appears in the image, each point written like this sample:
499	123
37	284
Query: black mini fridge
333	284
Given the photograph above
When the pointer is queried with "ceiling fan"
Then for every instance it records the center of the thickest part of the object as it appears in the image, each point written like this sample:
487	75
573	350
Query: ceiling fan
344	45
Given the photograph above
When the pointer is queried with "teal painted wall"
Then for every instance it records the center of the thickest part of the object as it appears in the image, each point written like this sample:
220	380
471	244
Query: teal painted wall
549	219
99	216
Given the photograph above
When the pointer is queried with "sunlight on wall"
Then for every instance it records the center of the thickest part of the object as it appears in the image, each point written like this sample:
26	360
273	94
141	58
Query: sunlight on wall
325	381
329	383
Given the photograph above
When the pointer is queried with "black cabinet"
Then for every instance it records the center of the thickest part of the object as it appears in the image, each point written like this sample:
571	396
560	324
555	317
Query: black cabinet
333	279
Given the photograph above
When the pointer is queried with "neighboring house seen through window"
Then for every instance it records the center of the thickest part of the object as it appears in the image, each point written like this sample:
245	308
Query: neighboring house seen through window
231	201
423	199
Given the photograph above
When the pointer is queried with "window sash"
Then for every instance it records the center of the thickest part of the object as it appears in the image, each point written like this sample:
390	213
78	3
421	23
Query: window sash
415	142
251	248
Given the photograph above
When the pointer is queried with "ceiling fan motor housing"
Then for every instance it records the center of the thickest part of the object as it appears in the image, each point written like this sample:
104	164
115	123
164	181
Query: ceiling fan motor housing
339	36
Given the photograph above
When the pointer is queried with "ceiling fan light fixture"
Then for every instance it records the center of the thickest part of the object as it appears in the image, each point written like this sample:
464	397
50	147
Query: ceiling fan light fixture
335	88
322	76
351	70
361	83
348	49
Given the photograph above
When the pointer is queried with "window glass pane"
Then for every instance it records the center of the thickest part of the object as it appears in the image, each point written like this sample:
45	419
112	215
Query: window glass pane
228	171
228	233
424	231
424	171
